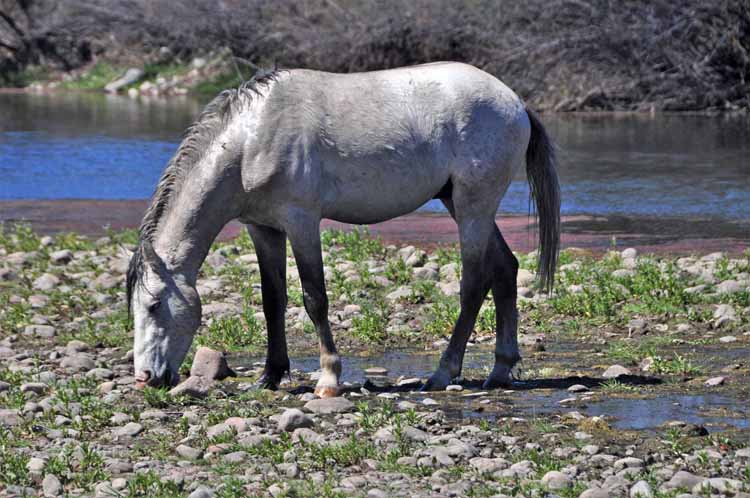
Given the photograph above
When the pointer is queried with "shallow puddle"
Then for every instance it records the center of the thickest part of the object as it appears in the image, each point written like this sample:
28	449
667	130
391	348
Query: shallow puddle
532	397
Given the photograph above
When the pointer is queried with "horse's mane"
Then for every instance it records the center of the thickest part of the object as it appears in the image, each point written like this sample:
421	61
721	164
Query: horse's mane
197	139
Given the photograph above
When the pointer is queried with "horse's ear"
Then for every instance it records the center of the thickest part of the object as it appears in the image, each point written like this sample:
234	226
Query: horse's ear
150	257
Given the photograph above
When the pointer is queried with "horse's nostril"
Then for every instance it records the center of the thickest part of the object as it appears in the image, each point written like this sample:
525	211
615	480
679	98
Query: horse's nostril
143	376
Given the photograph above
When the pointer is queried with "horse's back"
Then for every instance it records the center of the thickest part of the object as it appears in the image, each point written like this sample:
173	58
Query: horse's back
380	144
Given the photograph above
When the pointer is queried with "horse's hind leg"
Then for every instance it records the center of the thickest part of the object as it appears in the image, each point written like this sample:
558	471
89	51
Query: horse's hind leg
474	230
504	267
304	235
270	247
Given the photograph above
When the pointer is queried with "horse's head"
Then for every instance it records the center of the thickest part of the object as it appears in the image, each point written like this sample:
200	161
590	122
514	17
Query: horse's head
166	312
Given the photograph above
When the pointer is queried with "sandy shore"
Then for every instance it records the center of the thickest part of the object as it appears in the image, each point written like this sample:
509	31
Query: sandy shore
90	217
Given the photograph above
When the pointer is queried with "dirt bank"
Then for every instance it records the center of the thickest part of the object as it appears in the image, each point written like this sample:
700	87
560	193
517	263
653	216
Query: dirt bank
596	233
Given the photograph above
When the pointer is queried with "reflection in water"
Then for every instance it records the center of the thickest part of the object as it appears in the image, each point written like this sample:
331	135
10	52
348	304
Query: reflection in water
625	413
112	147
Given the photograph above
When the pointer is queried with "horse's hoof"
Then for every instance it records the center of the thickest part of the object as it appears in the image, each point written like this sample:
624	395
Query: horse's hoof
500	377
327	391
438	382
267	382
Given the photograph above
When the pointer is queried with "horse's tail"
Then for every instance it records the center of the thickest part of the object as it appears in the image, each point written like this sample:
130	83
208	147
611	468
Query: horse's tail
545	190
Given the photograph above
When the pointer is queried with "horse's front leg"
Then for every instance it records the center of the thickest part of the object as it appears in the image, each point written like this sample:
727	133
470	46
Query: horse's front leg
304	235
270	247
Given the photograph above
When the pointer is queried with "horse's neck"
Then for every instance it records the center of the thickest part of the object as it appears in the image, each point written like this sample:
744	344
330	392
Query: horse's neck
204	204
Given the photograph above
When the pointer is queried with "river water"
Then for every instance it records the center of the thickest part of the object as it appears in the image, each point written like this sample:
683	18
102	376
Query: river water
94	146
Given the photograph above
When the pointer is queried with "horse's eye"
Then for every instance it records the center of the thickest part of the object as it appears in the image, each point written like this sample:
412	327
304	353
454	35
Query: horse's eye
154	307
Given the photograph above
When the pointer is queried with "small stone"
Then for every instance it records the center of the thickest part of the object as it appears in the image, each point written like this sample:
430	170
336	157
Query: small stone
615	371
75	346
717	485
595	493
403	292
555	480
723	314
130	429
730	287
33	387
715	381
80	362
153	415
326	406
218	430
409	381
629	253
119	483
727	339
51	486
39	330
376	371
101	374
9	417
202	492
235	457
641	489
682	479
293	419
578	388
590	449
628	463
454	387
46	282
62	257
35	465
210	364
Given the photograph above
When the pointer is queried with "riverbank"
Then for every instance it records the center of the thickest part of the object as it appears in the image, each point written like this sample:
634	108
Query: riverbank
634	380
592	233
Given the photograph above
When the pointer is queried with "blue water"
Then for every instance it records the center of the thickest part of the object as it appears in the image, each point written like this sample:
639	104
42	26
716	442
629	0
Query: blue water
88	146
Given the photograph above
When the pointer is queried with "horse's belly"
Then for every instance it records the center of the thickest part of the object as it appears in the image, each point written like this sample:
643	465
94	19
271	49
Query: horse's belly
365	194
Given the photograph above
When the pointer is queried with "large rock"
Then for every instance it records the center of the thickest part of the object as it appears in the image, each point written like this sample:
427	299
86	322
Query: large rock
46	282
210	364
555	480
62	257
195	387
682	479
80	362
326	406
131	429
40	330
730	287
293	419
9	418
51	486
723	314
131	76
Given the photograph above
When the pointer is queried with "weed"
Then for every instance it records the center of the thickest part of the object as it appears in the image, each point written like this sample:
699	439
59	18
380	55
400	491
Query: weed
615	386
156	397
95	78
150	484
442	315
370	326
233	333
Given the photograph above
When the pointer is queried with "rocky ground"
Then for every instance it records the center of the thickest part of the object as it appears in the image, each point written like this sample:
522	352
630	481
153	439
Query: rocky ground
622	332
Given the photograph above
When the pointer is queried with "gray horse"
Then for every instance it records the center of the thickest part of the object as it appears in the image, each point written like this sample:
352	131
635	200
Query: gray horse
289	148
